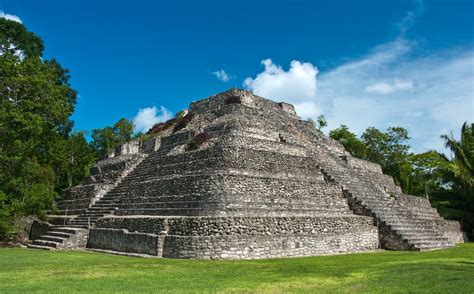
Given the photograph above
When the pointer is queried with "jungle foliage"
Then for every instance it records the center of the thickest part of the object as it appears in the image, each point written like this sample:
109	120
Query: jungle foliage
446	181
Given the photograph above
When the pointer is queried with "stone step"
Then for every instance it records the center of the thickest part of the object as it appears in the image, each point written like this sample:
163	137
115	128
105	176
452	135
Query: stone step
92	215
52	238
411	217
433	243
62	229
99	211
70	212
72	202
45	243
104	202
408	224
423	238
403	219
32	246
104	199
80	226
84	219
390	206
59	234
83	225
370	196
88	217
433	246
101	208
414	230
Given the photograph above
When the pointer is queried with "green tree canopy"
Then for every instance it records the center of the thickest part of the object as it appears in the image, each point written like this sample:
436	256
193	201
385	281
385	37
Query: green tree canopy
321	122
389	149
349	140
425	173
462	164
105	140
16	40
36	101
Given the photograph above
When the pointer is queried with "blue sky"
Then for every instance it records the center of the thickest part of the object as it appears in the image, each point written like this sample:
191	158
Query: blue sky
360	63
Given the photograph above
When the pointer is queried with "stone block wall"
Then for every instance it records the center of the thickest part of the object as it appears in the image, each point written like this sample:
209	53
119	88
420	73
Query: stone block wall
233	191
151	145
77	240
452	230
38	228
121	240
132	147
237	237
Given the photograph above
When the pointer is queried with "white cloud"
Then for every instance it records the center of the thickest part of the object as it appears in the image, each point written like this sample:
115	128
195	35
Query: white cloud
9	16
147	117
222	75
434	97
387	88
439	103
410	17
427	93
297	85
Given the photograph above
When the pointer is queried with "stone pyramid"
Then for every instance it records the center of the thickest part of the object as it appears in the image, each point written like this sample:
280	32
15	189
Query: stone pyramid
240	176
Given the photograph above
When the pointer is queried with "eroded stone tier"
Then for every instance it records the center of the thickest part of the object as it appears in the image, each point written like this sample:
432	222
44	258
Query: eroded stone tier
258	183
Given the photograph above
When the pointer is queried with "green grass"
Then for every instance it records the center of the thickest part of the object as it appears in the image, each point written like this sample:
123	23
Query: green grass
442	271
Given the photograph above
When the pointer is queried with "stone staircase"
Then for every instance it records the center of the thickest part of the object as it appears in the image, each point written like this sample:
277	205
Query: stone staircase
63	237
59	237
401	228
105	205
88	218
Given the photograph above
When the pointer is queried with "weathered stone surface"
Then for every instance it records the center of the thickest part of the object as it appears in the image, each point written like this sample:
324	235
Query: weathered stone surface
38	228
123	241
262	184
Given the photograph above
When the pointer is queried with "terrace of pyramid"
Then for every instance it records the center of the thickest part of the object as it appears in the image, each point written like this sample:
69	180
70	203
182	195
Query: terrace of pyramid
240	177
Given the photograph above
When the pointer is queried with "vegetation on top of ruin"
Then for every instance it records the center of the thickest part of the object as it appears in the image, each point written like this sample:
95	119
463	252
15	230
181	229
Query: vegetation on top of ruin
106	139
234	99
199	140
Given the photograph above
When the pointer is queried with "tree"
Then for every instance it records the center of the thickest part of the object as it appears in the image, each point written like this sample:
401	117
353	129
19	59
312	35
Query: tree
462	163
124	129
36	102
105	140
376	145
349	140
425	174
456	200
321	122
389	149
78	158
15	40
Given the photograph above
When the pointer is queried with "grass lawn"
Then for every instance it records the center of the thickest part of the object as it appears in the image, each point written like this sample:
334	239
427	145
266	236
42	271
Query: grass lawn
442	271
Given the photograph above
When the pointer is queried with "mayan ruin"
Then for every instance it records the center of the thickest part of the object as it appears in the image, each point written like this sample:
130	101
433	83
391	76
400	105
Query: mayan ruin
240	177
